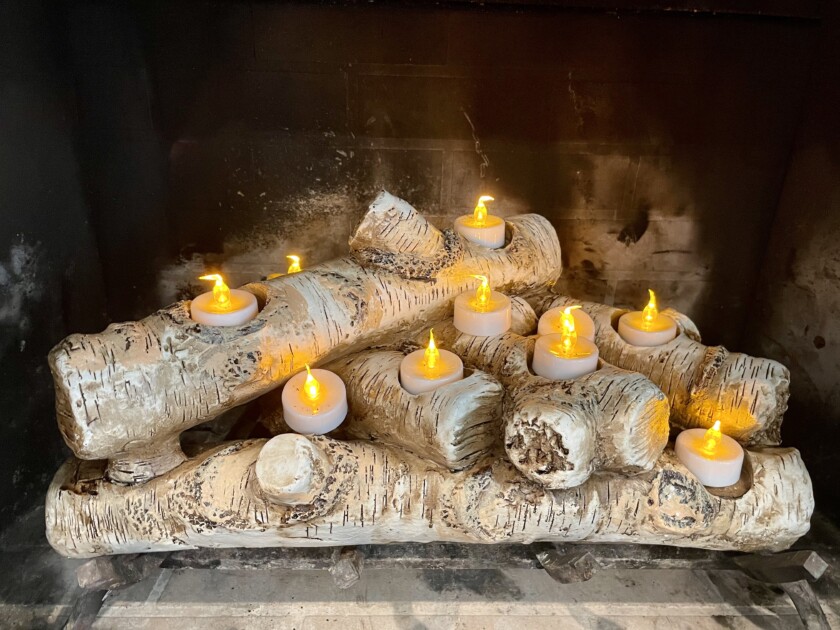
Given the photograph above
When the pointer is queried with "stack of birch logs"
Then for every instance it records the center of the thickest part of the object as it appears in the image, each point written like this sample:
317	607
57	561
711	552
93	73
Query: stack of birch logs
501	456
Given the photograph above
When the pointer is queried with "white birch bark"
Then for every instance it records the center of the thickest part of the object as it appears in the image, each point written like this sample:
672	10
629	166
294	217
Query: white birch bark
703	383
127	393
559	433
300	492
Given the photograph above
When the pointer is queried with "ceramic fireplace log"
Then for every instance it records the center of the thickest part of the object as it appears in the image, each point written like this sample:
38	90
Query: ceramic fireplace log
703	384
302	492
127	393
559	433
452	426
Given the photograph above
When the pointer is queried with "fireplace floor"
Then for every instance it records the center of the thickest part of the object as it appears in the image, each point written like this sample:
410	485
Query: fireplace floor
39	589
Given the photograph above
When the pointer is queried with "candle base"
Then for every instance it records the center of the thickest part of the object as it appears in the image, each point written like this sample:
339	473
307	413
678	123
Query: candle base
490	235
494	320
632	328
415	379
549	364
243	308
720	470
323	415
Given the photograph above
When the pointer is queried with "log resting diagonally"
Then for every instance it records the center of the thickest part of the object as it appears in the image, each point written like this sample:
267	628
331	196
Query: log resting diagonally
502	456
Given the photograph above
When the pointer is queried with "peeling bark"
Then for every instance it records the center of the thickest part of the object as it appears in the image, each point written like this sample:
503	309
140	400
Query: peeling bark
748	394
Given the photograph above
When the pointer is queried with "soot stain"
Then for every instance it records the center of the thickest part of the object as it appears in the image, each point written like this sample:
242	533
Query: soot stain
589	268
819	342
490	583
633	231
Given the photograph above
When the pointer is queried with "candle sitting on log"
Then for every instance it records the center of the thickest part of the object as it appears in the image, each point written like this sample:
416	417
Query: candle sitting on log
294	267
294	264
314	402
485	313
480	227
223	306
564	356
714	458
551	323
647	328
426	370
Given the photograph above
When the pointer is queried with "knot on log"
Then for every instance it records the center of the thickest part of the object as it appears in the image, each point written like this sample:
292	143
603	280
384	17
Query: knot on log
678	502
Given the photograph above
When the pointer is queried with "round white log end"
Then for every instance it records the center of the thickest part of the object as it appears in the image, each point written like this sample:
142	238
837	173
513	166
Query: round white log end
551	440
291	470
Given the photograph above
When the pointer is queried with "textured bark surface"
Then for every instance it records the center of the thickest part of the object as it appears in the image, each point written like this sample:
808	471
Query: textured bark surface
451	426
747	394
137	385
370	493
559	433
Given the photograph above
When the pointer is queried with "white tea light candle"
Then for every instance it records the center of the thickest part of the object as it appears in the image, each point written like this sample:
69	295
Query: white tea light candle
714	458
223	306
314	401
647	328
480	227
485	313
426	370
551	323
563	356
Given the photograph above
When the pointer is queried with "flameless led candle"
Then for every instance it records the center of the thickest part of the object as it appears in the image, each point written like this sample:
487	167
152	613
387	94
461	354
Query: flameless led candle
294	264
425	370
485	313
714	458
551	323
314	401
223	306
647	328
480	227
563	356
294	267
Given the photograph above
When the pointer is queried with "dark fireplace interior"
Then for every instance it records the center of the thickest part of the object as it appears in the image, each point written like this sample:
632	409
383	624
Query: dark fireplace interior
689	147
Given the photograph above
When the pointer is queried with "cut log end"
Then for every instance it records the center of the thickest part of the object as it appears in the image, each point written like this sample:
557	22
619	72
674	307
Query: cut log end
291	470
551	439
139	466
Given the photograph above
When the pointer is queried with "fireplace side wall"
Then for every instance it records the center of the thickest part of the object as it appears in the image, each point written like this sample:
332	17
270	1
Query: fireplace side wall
50	275
796	319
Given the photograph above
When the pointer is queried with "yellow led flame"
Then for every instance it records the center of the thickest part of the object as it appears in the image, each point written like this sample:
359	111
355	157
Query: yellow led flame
221	291
480	212
311	387
651	312
711	439
432	354
294	266
482	293
568	334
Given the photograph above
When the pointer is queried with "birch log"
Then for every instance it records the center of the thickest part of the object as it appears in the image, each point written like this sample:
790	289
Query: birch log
559	433
302	492
747	394
452	426
126	394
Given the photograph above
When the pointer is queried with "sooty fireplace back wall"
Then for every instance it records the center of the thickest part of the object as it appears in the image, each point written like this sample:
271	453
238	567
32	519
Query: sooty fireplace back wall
231	134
